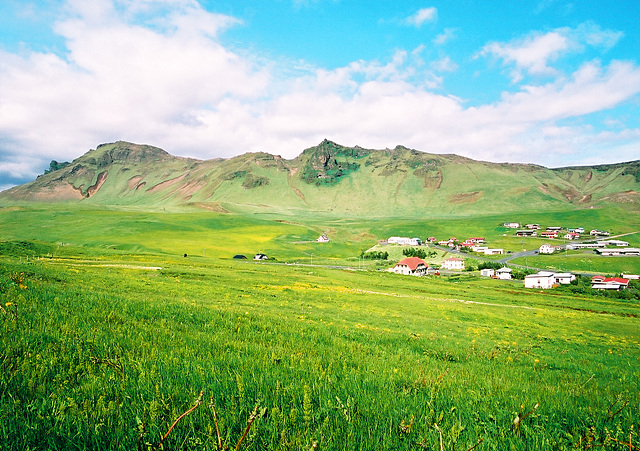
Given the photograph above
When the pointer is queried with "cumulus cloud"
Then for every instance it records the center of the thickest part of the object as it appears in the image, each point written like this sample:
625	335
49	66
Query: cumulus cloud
421	16
534	54
169	81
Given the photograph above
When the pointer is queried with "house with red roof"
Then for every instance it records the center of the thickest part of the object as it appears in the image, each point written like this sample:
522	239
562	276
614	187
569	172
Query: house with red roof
412	266
609	283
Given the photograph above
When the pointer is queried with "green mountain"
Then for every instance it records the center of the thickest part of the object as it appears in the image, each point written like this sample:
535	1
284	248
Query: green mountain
328	179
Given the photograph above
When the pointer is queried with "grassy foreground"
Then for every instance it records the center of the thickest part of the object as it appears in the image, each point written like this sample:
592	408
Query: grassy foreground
108	352
111	339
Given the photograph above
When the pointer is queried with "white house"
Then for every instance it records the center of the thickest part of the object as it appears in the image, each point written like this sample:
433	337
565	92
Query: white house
487	272
564	278
323	238
413	266
609	283
490	251
480	249
547	249
618	243
453	263
504	273
543	279
512	225
404	241
624	251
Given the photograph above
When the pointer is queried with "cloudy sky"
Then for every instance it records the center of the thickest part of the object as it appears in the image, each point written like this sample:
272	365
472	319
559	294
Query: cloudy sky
551	82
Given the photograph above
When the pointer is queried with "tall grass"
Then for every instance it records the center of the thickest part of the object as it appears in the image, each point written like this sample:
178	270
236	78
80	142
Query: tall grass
106	353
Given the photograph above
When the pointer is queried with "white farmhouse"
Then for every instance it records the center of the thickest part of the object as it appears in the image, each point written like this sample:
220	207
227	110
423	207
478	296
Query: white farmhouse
404	241
504	273
453	263
543	279
564	278
413	266
547	249
488	272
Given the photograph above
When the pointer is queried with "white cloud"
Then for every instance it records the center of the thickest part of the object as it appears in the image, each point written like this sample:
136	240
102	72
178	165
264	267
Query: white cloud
535	53
444	64
174	85
531	55
423	15
447	35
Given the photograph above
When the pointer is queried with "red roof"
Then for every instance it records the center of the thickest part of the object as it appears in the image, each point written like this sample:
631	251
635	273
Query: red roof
412	262
610	279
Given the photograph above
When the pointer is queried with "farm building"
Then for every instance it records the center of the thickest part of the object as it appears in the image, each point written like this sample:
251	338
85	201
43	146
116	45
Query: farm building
404	241
488	272
564	278
609	283
490	251
413	266
453	263
618	243
543	279
627	251
547	249
584	246
526	233
260	257
323	238
504	273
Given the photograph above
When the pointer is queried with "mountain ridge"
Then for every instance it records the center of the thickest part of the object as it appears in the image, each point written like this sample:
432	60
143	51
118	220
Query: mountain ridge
328	179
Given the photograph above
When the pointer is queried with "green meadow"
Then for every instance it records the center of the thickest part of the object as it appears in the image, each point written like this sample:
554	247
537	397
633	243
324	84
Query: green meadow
113	339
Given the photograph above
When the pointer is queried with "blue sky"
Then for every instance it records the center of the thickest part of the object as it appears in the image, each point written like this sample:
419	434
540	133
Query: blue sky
549	82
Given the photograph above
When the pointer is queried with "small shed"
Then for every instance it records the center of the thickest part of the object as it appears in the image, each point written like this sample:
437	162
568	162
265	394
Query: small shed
240	257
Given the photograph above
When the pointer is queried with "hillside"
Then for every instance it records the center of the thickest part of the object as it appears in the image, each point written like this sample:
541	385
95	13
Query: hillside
328	179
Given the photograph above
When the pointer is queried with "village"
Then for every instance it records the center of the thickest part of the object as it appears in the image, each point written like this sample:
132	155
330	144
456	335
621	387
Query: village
416	266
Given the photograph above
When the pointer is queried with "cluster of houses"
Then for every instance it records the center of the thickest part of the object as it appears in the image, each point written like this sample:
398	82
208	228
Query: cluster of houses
553	232
541	280
544	280
600	247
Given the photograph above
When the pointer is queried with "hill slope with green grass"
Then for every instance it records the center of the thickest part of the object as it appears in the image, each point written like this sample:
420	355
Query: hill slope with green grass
328	179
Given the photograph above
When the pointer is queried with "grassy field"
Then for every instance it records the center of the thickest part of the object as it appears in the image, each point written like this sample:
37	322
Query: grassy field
110	335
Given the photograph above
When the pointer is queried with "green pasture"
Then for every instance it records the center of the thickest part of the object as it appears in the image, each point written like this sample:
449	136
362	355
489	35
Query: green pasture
110	335
109	353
